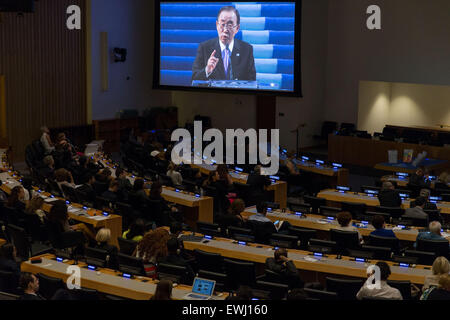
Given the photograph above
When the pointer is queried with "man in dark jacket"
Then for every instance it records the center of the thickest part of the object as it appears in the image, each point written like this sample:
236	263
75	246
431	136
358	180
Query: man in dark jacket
284	267
174	257
30	285
388	196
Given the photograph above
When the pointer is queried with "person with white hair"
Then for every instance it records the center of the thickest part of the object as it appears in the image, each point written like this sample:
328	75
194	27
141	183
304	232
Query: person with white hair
46	140
388	196
433	234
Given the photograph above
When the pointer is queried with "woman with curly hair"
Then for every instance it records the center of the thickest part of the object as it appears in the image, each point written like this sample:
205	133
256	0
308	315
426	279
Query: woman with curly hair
152	248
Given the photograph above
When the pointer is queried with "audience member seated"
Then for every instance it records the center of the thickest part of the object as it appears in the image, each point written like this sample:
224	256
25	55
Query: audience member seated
420	178
383	290
46	140
428	205
27	185
102	238
442	292
152	249
136	231
16	198
155	194
210	180
88	188
81	172
345	223
416	212
444	178
139	191
261	211
64	177
257	183
174	175
163	290
388	196
34	206
8	262
112	194
285	268
233	218
380	228
48	170
434	233
174	257
30	285
440	267
124	184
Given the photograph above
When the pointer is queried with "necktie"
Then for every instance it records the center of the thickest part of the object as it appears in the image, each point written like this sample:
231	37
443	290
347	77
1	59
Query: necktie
226	62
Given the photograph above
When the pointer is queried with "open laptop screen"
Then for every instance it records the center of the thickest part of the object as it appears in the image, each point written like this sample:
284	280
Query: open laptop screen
203	286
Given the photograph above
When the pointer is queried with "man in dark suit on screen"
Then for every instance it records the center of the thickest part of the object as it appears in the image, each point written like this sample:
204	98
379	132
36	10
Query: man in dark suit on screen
225	58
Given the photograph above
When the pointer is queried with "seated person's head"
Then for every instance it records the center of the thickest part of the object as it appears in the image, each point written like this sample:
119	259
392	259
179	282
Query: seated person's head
237	207
138	184
173	246
435	227
29	282
49	161
440	266
425	193
387	185
60	136
156	189
444	282
262	207
297	294
378	222
257	169
83	160
420	201
114	186
62	175
420	171
344	219
103	235
44	129
58	212
385	270
279	253
120	173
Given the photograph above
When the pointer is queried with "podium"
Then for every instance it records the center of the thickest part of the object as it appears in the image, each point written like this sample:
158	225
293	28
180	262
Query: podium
235	84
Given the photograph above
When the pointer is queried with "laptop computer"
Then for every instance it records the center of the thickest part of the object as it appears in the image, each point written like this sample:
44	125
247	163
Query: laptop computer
202	289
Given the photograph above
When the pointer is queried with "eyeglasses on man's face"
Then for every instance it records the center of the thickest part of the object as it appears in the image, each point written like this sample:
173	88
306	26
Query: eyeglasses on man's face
228	26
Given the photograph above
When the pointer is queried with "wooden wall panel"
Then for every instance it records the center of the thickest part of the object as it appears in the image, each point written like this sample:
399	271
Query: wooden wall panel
44	65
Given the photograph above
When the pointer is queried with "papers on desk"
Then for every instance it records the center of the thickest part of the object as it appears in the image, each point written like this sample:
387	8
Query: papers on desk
51	199
99	218
73	209
321	221
310	259
4	176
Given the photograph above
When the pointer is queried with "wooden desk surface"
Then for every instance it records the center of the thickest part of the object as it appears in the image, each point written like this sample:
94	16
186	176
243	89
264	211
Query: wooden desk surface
302	259
320	223
333	195
108	281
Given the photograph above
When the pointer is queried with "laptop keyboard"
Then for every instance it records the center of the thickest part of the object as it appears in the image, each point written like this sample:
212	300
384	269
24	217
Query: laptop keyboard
196	296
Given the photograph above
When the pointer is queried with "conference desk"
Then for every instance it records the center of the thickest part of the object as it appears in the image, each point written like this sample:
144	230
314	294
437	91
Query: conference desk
77	212
196	208
369	152
432	165
279	187
108	281
335	197
335	177
403	182
321	223
303	260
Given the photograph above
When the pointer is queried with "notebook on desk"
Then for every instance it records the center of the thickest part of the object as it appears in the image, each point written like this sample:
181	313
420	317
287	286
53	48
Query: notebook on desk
202	289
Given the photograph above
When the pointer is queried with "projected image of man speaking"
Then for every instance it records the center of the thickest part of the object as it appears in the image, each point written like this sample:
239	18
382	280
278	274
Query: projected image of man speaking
225	58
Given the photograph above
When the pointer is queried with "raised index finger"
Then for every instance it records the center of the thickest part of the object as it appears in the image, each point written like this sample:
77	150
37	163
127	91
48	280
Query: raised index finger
212	54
